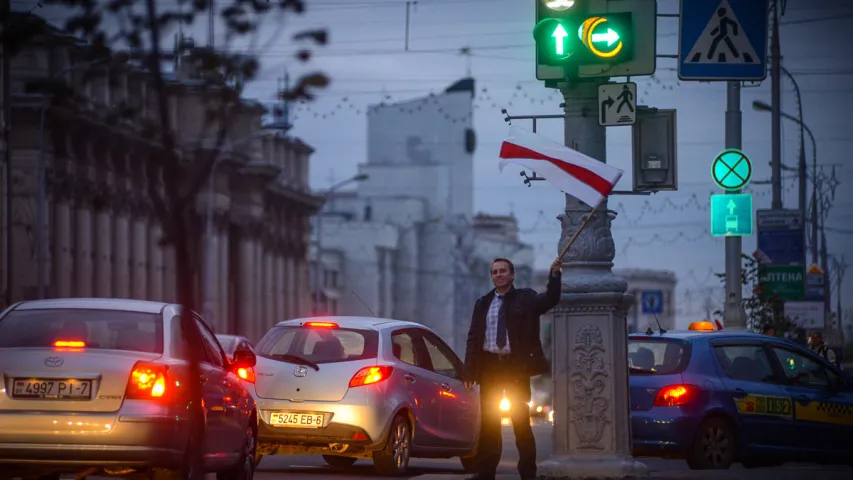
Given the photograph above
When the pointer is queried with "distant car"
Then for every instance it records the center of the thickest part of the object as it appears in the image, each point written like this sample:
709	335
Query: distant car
97	385
233	343
716	397
351	387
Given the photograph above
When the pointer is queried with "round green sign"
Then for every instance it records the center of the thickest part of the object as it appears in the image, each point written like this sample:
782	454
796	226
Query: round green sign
731	169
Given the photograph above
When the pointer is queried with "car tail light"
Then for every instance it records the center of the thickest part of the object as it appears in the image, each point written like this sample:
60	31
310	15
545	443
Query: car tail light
69	344
320	325
370	375
675	395
247	374
148	381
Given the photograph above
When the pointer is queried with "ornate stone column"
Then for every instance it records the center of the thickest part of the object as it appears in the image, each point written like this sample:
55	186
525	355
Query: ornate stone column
268	260
155	260
103	234
83	245
592	430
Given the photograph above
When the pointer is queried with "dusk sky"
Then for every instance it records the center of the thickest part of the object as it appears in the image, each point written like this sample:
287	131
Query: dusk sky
367	64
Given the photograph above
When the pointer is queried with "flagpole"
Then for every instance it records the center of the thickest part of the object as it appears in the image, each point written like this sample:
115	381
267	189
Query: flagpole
578	231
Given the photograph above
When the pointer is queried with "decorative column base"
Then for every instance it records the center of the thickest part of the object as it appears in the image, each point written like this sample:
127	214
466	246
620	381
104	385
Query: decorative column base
592	429
589	467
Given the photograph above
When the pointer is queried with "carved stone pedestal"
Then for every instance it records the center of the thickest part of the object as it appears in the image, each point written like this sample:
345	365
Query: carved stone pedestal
592	434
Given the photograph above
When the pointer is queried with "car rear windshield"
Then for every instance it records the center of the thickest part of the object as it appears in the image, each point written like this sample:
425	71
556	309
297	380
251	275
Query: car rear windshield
319	345
97	329
657	356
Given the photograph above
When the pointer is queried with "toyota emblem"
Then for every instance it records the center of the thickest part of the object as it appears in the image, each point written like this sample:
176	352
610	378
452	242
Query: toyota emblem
53	361
300	371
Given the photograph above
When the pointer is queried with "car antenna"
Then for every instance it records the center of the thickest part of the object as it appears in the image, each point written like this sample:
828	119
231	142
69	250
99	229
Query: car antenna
363	303
661	330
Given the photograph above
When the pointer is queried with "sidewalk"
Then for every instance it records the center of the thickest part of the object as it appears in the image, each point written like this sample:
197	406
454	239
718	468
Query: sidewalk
792	472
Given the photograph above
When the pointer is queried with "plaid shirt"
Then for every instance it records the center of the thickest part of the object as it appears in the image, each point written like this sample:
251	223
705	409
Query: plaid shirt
491	342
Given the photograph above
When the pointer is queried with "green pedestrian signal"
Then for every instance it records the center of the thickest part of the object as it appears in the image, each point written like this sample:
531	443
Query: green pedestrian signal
731	215
731	169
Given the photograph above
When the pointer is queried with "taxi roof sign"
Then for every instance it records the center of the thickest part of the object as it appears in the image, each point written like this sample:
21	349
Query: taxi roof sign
702	326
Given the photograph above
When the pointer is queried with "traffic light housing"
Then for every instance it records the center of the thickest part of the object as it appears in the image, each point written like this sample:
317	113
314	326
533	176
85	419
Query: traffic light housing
568	37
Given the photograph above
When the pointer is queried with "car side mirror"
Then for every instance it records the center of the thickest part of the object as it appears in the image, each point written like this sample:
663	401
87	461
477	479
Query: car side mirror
244	359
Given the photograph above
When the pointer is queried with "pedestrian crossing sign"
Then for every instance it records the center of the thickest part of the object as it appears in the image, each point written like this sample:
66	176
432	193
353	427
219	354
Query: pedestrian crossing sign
723	40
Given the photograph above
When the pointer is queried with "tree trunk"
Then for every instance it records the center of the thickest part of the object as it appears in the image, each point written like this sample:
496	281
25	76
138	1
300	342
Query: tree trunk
183	240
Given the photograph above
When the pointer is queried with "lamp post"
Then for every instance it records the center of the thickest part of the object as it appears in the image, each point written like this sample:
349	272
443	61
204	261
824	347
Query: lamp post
318	284
41	214
207	309
763	107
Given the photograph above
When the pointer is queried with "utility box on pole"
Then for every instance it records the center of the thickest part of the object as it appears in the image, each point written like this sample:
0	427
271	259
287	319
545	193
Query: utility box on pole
655	162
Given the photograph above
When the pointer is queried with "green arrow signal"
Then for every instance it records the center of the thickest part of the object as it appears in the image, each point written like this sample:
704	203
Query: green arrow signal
559	35
731	206
610	36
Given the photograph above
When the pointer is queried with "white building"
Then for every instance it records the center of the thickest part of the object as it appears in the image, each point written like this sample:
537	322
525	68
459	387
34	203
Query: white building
420	183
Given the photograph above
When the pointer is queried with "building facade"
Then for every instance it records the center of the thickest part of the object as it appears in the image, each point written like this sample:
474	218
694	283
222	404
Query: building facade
104	236
420	168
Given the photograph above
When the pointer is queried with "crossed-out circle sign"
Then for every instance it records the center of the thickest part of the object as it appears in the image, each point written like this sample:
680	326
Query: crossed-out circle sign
731	169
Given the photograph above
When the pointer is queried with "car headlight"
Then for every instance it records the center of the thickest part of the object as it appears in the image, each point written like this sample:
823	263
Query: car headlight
504	406
551	416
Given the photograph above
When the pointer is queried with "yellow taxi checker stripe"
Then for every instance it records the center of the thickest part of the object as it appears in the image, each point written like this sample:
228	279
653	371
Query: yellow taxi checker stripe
826	412
765	405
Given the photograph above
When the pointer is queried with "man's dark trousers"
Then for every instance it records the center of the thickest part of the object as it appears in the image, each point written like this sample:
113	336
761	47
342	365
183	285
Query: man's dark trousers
497	375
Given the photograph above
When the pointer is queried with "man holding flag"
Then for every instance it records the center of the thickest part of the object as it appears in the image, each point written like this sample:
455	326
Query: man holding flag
504	349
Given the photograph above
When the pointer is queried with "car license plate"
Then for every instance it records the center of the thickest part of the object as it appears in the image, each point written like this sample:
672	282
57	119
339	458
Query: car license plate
297	420
53	389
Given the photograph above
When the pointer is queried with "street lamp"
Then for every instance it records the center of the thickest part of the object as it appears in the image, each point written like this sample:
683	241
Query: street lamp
207	310
41	214
318	284
760	106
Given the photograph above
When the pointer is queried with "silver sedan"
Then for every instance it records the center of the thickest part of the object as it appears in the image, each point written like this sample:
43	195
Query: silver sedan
352	387
91	386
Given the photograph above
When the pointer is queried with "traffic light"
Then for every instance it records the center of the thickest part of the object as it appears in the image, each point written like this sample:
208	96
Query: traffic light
567	37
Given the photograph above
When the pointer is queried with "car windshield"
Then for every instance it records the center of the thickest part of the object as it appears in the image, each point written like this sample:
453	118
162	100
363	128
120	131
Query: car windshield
319	345
96	329
657	356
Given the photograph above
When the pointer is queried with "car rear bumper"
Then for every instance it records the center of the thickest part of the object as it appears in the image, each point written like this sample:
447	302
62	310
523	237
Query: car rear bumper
361	424
665	432
142	438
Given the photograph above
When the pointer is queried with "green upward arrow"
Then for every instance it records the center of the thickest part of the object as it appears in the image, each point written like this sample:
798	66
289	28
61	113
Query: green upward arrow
559	35
731	206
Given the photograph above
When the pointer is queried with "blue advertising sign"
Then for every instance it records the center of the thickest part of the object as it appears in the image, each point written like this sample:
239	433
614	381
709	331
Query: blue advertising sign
652	301
781	237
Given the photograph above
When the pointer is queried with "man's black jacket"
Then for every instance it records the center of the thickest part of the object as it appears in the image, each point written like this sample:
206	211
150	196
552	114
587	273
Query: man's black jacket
523	306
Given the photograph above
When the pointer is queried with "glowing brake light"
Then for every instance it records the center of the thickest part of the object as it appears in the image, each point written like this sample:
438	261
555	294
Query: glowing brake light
247	374
147	381
370	376
69	344
702	326
320	325
675	395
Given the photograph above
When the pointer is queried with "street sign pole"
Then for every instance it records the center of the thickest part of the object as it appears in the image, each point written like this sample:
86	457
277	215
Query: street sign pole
733	312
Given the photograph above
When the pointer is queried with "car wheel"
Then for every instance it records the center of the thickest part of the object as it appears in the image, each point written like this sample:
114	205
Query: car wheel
714	446
339	462
393	459
245	467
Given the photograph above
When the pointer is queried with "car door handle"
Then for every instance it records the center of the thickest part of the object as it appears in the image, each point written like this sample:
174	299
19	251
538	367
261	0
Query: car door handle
739	393
409	378
446	387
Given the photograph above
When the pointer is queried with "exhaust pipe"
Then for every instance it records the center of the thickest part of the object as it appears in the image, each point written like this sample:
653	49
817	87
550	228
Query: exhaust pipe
338	447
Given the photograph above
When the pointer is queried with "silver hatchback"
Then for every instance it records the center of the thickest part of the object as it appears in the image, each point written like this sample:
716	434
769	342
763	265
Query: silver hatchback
99	386
353	387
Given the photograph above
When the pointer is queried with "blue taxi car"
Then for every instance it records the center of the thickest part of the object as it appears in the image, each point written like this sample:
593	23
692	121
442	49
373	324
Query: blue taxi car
718	397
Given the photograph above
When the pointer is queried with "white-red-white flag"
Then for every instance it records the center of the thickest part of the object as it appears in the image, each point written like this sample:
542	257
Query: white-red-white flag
576	174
